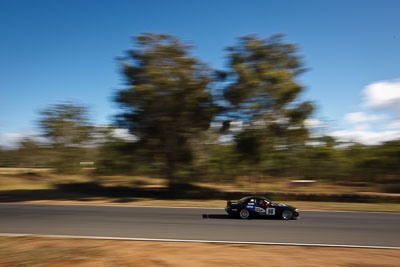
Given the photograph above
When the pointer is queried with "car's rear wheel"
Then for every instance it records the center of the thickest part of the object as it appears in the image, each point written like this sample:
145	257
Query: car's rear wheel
244	214
287	214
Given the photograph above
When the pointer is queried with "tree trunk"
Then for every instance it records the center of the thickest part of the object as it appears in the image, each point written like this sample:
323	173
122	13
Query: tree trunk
170	170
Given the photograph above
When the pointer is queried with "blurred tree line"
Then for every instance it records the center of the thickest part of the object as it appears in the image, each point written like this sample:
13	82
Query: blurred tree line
188	122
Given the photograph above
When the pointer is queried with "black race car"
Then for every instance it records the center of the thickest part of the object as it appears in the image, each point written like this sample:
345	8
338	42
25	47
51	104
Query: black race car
260	206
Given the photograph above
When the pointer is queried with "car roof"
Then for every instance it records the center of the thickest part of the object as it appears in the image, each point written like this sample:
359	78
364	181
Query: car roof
249	197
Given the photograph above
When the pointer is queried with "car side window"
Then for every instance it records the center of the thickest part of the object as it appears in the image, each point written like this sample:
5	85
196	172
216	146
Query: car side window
259	201
251	202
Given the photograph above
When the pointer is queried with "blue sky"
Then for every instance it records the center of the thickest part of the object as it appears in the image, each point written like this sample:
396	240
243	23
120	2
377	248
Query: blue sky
52	51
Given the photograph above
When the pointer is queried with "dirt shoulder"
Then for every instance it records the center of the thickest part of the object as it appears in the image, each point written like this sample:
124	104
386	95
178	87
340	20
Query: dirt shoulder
39	251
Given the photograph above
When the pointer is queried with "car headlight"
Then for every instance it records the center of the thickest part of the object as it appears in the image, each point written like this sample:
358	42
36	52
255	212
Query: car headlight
296	210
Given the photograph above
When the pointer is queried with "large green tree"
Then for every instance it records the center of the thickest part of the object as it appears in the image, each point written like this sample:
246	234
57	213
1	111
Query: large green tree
263	93
168	100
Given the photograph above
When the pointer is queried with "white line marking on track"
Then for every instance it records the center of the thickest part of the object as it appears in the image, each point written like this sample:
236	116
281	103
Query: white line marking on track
352	211
193	241
110	205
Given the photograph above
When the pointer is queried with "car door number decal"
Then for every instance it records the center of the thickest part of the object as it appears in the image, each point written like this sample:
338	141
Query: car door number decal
260	210
270	211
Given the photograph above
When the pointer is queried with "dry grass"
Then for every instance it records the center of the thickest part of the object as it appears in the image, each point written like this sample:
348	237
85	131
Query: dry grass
281	184
20	178
39	182
39	251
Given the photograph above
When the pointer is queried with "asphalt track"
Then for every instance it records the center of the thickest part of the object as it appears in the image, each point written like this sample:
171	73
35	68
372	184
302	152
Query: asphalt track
314	227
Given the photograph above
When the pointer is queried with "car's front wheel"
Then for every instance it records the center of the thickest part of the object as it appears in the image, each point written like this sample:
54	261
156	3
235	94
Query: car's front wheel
244	214
287	214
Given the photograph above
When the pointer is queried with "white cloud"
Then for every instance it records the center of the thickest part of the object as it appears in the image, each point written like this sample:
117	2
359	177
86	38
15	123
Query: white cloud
383	95
366	137
360	117
362	127
393	125
9	139
313	123
124	134
368	127
234	126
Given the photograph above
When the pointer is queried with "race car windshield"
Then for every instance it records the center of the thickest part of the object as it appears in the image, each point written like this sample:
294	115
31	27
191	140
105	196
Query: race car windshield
266	200
242	200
